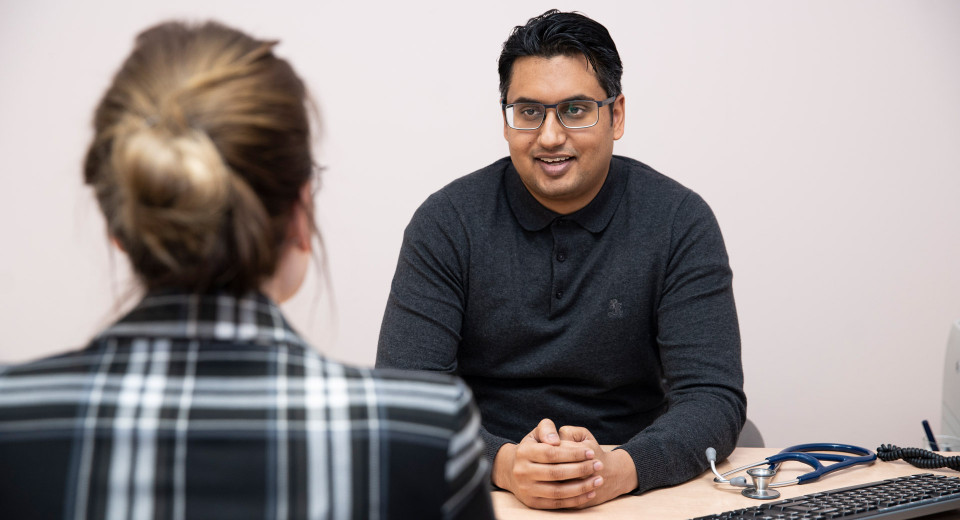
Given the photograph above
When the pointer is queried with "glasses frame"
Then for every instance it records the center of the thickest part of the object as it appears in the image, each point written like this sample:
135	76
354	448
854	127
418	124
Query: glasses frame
600	104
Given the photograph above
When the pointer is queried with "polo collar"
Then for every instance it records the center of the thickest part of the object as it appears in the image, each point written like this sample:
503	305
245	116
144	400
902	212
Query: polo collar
593	217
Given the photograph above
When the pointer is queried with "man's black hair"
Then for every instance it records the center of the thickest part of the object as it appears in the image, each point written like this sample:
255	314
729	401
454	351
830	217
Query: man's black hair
555	33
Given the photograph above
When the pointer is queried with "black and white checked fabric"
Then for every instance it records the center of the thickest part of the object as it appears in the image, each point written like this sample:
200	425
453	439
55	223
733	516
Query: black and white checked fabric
208	407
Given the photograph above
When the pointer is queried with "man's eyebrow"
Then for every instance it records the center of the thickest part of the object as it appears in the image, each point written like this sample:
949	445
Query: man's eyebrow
575	97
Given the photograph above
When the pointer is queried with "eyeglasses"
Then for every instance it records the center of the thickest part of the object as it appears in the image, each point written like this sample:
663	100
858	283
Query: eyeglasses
579	113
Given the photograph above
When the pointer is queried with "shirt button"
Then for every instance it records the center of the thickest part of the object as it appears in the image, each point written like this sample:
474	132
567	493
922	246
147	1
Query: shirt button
559	294
561	257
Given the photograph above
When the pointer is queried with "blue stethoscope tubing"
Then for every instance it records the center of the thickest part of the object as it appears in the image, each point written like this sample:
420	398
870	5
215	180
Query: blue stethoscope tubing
802	453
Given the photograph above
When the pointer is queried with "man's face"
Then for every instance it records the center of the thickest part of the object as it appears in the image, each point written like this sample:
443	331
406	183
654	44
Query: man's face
563	168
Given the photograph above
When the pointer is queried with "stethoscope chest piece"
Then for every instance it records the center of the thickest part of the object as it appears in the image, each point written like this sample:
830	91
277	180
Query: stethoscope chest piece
760	488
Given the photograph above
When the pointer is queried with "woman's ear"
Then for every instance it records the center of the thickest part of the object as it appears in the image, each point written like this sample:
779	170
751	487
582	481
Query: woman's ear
301	222
116	242
294	255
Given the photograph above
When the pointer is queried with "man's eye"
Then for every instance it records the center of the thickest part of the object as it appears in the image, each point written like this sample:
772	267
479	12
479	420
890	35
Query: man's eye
576	110
528	112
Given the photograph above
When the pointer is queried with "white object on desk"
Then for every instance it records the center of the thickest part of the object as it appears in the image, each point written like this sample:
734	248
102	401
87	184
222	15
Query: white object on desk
951	385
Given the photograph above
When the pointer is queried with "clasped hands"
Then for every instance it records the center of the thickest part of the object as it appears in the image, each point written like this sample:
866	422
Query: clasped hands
565	468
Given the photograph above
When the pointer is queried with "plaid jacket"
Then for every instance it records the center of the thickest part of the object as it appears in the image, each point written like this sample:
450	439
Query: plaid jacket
207	407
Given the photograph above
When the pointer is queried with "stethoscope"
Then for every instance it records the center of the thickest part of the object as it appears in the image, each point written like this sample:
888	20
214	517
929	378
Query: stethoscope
762	477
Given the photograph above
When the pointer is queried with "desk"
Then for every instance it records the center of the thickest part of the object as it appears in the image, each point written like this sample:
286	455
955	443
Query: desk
701	496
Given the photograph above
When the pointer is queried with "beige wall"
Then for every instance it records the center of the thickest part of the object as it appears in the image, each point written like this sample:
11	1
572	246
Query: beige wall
825	135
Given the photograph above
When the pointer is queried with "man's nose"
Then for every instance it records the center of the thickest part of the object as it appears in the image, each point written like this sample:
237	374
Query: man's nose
552	132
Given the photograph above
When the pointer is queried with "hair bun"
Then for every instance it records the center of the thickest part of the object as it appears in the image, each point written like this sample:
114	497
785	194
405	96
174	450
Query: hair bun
174	189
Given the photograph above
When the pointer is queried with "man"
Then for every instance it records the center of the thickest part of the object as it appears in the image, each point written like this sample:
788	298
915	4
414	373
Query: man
571	287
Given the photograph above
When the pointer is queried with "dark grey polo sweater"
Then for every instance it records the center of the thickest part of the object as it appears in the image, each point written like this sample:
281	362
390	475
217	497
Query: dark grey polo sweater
619	317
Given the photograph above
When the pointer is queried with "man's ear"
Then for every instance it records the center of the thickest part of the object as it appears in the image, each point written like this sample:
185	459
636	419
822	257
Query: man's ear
619	116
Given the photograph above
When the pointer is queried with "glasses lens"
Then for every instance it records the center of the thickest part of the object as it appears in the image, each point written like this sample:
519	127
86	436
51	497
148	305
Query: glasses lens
578	114
525	116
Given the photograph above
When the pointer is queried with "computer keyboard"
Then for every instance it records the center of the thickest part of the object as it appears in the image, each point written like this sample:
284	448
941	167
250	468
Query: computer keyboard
892	499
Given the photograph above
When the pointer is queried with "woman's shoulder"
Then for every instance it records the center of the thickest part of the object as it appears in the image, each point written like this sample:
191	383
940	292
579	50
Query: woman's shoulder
410	397
412	388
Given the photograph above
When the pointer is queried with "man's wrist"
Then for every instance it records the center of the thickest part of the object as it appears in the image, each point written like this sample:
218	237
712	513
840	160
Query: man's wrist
625	471
503	465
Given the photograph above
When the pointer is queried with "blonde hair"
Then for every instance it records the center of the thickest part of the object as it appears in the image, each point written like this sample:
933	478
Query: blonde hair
201	148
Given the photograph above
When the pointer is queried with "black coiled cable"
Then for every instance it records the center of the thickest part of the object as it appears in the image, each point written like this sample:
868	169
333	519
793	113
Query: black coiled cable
915	456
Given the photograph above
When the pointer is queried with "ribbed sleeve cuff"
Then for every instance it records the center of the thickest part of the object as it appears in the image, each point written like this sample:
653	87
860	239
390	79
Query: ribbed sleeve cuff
651	464
491	445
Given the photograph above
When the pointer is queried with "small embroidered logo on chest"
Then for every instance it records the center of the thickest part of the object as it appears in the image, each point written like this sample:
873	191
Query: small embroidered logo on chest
616	309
